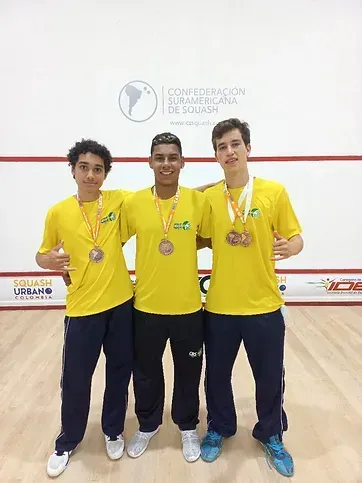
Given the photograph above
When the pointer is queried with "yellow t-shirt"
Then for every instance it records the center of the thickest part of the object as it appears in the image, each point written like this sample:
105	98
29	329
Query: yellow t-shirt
166	284
95	287
243	280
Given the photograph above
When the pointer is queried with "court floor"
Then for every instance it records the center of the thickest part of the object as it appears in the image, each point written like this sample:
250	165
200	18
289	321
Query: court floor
323	401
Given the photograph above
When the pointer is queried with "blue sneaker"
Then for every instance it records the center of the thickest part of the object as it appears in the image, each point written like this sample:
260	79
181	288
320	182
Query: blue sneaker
211	446
278	456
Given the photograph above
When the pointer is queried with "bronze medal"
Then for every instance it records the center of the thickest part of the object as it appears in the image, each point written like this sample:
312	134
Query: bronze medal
96	255
233	238
245	239
166	247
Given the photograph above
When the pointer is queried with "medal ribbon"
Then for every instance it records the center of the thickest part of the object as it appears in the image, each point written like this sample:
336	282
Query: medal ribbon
234	208
94	234
166	225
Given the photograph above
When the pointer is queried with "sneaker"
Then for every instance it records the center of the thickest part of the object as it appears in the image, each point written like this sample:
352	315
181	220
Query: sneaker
139	443
211	446
278	456
190	445
114	446
58	462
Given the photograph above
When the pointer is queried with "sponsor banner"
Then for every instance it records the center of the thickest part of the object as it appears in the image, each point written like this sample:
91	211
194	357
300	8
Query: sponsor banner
50	290
32	290
204	279
326	287
308	287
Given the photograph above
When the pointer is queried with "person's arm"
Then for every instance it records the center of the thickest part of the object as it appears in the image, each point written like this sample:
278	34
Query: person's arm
51	255
127	226
66	278
204	187
53	259
203	242
203	237
283	248
287	239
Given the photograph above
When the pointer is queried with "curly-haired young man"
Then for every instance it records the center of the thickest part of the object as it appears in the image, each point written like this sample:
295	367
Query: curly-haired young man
82	237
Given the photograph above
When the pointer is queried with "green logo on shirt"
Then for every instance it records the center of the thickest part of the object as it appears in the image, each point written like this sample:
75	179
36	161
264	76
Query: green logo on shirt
186	225
110	217
254	213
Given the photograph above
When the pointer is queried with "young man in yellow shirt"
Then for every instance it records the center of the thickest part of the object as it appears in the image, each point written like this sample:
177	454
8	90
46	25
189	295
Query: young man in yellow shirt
252	225
166	220
98	305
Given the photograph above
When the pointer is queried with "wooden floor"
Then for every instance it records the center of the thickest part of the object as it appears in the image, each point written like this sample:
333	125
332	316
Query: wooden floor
323	401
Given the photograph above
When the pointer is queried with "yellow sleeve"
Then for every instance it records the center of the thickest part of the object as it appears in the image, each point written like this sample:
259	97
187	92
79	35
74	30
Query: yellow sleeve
285	221
50	236
126	192
205	226
127	225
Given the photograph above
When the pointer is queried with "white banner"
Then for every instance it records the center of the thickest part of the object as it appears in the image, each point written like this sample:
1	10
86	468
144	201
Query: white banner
311	287
43	290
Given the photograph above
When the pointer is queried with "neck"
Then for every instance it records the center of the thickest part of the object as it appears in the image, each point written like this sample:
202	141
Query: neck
237	180
87	197
165	192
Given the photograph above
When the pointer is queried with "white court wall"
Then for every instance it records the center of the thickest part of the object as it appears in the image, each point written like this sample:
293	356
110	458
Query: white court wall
293	71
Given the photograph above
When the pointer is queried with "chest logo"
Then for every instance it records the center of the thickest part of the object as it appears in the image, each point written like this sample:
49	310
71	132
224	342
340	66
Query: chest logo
254	213
185	225
110	217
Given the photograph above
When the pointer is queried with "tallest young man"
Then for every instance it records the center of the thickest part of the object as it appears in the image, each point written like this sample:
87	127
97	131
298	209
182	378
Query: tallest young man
252	225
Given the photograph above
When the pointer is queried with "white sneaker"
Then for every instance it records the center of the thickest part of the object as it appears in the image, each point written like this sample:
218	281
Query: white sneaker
139	443
58	462
114	446
190	445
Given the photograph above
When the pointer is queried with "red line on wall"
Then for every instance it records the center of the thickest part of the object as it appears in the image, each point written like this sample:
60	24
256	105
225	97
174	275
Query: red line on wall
305	271
254	159
32	307
45	273
30	274
340	303
316	271
292	271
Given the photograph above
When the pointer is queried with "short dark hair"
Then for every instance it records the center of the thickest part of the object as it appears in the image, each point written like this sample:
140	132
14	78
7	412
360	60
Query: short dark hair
166	138
89	146
224	127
